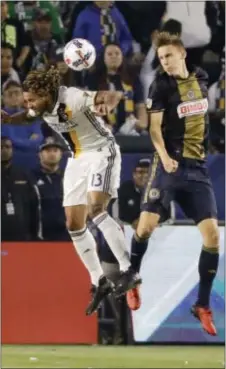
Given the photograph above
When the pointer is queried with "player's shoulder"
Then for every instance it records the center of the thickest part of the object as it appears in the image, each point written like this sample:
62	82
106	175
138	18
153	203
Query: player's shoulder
200	73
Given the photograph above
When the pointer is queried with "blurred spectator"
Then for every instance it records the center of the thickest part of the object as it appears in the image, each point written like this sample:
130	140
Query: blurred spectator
130	192
8	73
43	42
68	76
24	137
14	34
24	10
102	23
48	178
195	32
217	111
112	74
19	200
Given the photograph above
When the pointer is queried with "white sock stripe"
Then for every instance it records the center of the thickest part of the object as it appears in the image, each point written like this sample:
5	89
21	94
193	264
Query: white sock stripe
100	218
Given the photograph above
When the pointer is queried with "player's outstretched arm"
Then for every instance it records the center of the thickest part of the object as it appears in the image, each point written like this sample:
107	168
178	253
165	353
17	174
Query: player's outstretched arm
106	101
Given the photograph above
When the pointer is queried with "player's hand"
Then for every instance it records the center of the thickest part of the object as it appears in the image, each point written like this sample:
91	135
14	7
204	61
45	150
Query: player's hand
112	99
170	165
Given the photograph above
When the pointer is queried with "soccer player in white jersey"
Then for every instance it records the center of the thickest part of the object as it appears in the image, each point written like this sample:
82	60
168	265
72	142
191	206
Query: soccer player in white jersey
92	173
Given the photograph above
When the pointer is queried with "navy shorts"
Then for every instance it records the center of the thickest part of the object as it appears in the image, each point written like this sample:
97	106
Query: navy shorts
190	186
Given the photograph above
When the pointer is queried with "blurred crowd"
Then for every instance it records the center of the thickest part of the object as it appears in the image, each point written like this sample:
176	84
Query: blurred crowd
33	37
34	34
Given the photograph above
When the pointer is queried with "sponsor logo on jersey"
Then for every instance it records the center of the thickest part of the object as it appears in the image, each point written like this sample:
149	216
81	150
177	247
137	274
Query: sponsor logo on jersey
189	108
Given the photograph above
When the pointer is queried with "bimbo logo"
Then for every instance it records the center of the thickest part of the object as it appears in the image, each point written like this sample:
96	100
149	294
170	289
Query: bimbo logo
83	59
192	108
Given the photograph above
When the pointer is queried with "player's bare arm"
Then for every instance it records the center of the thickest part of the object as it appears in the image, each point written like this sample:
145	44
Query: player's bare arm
156	119
106	101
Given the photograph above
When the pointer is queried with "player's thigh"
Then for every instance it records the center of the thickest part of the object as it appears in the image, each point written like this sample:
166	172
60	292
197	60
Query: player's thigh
105	172
197	201
75	182
159	191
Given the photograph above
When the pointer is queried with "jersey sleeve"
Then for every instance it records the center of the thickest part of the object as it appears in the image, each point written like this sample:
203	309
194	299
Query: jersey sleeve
156	97
79	100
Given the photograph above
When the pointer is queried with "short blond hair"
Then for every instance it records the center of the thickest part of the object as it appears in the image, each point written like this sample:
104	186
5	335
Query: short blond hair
166	38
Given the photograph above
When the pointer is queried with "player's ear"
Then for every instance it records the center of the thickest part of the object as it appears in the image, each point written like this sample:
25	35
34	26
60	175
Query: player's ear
183	54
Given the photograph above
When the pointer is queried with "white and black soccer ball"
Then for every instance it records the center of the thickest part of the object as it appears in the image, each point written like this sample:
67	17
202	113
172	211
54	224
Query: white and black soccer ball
79	54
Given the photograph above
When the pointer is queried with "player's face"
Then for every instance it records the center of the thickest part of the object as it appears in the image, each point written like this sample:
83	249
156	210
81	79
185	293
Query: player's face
6	151
113	57
39	104
140	177
51	156
172	59
13	97
43	27
6	60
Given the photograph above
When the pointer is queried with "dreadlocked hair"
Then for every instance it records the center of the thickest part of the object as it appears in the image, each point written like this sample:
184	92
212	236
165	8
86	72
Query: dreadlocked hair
42	82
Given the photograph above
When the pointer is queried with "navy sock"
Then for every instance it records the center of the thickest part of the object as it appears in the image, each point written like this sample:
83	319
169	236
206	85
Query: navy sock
138	249
208	264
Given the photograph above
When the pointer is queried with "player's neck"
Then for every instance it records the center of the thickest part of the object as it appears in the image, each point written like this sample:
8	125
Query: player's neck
184	73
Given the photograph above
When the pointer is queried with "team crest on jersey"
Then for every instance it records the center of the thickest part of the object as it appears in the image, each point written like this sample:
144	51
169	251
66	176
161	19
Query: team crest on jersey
149	103
191	94
154	194
189	108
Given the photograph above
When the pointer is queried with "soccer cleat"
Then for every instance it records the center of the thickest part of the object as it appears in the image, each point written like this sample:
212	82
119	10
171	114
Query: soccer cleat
98	293
133	298
205	316
127	281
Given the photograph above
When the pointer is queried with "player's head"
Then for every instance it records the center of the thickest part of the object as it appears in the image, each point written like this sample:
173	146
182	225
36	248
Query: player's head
171	53
41	90
140	173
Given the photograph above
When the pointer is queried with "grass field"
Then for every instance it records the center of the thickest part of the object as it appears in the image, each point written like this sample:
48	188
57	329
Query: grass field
112	357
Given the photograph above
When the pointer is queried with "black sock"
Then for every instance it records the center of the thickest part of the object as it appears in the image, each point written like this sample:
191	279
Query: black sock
208	264
138	249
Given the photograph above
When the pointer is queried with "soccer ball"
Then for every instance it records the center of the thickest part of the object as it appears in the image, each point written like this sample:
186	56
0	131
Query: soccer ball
79	54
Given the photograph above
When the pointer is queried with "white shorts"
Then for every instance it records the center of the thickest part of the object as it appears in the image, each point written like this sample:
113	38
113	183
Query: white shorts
92	171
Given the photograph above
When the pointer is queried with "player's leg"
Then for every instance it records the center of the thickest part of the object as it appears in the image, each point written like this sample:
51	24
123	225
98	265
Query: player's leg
103	184
155	207
75	198
198	202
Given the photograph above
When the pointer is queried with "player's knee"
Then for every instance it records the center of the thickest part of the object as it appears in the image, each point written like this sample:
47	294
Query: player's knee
145	231
212	238
74	224
95	210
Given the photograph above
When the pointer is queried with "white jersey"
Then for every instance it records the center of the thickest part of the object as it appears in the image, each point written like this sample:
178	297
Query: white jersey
82	130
